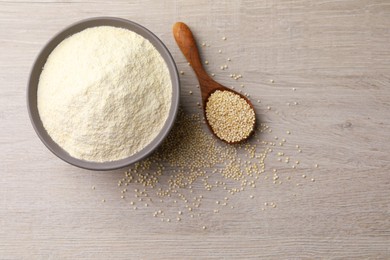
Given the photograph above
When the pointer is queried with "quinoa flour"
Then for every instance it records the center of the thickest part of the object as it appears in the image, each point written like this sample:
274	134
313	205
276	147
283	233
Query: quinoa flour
104	94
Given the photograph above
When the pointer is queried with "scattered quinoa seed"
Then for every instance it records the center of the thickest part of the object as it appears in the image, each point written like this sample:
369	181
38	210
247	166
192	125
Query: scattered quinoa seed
212	164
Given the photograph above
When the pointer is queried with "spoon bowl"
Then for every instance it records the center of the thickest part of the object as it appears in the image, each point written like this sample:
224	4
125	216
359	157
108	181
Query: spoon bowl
187	44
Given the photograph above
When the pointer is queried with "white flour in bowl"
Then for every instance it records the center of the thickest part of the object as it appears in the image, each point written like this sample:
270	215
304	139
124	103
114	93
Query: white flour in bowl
104	94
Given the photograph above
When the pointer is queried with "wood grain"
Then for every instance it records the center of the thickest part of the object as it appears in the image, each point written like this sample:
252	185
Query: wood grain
334	53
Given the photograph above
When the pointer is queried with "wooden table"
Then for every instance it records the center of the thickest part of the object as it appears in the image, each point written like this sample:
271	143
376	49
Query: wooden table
331	57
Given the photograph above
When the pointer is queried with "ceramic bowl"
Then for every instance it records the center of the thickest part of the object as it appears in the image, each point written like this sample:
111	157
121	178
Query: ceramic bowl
40	62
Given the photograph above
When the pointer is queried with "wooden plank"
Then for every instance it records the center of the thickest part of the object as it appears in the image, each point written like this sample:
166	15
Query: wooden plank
334	53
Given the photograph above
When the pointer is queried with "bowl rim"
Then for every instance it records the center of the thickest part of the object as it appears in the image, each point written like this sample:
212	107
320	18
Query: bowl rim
40	61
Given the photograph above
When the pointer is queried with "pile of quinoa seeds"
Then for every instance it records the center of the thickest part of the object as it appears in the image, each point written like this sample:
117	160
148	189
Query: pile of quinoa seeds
193	168
230	116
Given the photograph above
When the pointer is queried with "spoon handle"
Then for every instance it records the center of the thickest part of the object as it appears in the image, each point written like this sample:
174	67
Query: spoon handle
186	42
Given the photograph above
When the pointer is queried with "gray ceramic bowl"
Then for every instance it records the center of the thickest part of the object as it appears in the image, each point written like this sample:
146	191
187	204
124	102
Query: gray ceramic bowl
40	62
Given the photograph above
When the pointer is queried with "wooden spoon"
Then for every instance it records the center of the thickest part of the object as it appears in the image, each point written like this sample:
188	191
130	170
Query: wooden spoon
186	42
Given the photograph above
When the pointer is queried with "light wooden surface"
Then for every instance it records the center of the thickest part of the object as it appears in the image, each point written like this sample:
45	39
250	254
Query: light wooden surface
335	53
